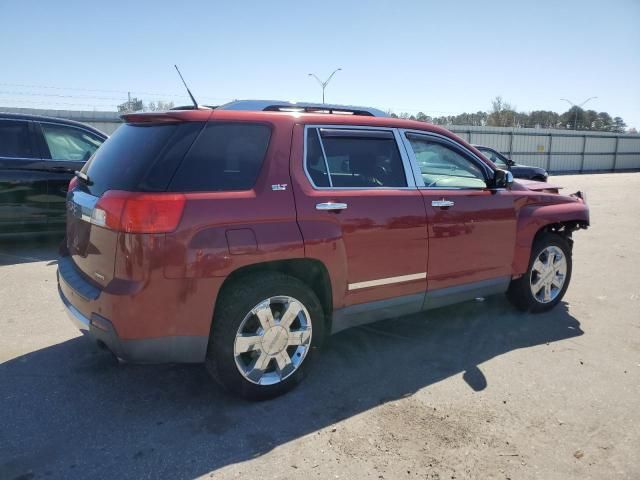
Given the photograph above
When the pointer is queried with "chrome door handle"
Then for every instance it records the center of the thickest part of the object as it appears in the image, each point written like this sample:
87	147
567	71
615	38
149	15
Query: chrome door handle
442	203
328	206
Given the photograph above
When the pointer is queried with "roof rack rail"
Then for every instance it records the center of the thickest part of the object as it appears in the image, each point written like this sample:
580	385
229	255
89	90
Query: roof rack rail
301	107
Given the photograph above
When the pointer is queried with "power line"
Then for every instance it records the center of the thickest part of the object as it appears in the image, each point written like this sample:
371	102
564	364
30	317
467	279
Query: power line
57	95
156	94
17	104
124	96
123	92
426	111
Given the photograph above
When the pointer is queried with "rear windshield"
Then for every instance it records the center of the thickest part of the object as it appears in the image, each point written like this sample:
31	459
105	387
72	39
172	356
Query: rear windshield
140	157
151	158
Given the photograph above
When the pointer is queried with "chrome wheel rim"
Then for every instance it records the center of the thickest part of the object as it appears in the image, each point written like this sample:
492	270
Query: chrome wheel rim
548	274
272	340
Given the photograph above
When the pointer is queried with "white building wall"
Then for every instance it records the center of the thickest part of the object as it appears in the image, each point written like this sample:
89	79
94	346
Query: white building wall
559	150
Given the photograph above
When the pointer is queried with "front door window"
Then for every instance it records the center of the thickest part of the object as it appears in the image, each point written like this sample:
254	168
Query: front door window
70	144
443	167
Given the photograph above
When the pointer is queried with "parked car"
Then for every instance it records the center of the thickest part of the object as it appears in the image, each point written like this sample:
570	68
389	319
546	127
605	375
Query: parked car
38	156
519	171
242	238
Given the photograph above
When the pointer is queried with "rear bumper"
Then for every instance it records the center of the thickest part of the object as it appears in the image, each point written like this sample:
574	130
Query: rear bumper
164	349
81	322
105	334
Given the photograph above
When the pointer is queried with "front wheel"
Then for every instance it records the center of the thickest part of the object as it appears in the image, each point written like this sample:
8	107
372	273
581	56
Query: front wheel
265	333
544	284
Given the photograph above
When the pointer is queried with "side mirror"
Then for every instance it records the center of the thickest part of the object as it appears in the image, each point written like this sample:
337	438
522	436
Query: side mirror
502	179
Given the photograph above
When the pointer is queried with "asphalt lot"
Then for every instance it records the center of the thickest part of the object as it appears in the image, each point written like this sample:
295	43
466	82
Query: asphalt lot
471	391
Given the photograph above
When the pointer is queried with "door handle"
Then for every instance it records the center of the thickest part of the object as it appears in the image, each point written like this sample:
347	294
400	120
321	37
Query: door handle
442	203
331	206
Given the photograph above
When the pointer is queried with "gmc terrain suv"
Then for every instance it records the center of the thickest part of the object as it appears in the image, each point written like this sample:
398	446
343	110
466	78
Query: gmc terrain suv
242	238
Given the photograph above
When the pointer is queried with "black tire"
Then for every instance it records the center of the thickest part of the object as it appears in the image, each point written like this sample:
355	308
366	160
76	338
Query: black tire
520	293
539	179
236	301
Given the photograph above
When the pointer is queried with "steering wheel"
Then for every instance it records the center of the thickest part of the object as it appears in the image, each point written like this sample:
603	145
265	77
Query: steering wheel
382	171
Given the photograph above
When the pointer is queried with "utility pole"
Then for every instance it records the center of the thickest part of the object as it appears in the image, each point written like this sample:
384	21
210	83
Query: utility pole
326	82
575	120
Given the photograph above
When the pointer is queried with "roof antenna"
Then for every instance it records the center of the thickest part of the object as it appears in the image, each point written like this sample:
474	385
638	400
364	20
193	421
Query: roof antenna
195	104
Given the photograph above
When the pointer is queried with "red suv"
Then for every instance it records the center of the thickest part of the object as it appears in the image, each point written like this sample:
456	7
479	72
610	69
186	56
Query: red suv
242	238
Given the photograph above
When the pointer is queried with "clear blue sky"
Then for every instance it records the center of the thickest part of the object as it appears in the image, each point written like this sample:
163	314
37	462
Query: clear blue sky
435	57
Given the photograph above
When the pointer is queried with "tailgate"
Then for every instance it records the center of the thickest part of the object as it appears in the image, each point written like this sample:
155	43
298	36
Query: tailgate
92	248
136	158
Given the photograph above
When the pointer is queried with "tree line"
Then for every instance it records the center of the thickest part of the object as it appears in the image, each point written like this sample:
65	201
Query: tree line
137	105
502	114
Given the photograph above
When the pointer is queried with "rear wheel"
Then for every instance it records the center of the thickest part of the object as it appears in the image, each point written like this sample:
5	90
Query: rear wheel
265	332
548	275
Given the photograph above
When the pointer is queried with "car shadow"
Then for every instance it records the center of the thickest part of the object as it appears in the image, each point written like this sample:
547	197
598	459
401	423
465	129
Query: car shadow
30	248
69	411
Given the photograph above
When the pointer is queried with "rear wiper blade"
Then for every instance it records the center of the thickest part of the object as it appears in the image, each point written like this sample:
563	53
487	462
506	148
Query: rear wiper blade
84	177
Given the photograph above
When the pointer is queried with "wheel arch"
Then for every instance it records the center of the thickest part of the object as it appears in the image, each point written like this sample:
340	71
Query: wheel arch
312	272
562	219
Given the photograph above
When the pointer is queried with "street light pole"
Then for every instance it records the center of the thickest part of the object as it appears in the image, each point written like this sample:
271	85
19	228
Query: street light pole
575	120
326	82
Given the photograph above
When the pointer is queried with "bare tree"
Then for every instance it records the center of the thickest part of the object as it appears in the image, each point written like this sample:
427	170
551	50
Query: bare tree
131	105
502	114
159	106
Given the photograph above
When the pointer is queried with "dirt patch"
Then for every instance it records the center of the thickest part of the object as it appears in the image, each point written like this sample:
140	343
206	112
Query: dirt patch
412	438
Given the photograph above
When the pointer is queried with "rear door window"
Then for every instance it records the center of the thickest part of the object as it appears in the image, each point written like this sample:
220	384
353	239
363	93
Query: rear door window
344	158
15	139
68	143
225	156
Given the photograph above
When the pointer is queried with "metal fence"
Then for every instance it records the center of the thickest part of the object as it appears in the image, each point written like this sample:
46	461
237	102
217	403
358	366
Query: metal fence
559	150
556	150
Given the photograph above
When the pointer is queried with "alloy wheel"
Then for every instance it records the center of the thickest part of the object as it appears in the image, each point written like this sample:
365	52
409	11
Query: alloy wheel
273	340
548	274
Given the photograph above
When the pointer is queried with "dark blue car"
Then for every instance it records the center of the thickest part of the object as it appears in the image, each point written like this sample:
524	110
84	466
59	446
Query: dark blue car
518	171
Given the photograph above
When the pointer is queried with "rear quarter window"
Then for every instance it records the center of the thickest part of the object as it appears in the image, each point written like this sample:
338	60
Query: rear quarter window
225	156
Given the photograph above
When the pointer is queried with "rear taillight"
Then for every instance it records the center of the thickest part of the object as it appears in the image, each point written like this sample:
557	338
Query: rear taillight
139	212
72	184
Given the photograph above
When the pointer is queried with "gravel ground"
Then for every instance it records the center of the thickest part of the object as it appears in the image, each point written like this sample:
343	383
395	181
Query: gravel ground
470	391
